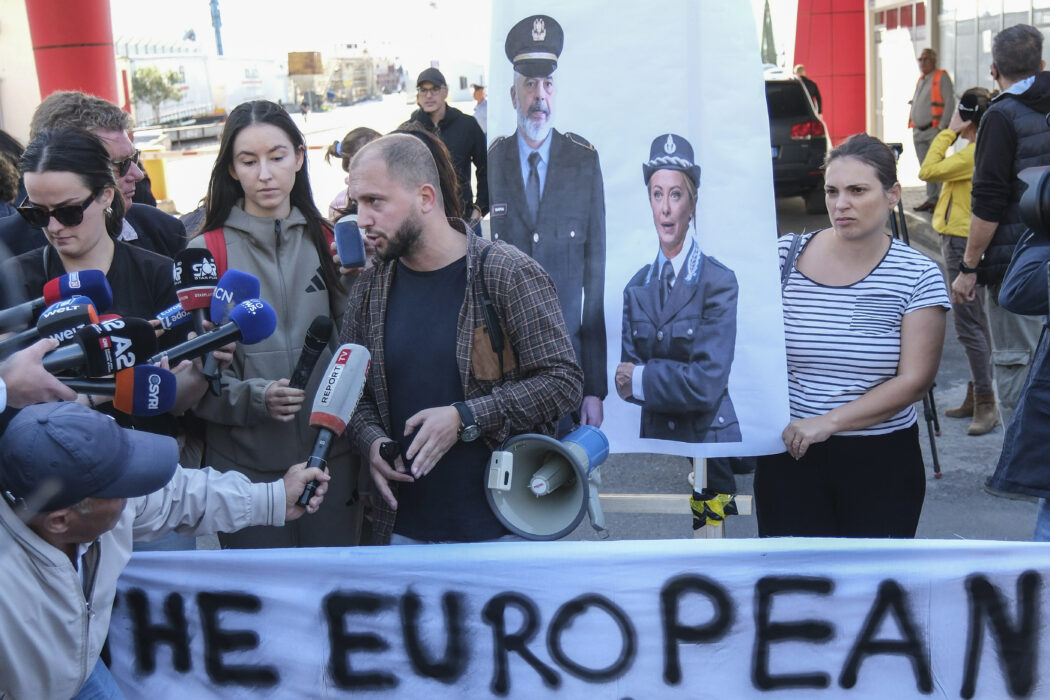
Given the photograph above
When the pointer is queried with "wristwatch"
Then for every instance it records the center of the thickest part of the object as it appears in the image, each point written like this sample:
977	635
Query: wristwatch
468	430
966	270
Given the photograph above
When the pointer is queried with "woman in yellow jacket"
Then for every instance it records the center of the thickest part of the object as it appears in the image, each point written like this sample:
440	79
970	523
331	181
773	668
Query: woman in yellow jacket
951	219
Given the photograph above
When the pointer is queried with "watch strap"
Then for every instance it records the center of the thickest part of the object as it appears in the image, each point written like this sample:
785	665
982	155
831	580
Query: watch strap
466	416
966	270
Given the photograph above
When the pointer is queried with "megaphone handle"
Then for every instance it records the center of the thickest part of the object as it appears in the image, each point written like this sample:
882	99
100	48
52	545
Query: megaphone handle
308	492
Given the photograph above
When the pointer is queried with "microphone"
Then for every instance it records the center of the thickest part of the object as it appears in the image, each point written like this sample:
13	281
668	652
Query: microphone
89	283
58	321
173	316
195	277
317	337
234	287
142	390
250	322
103	348
334	404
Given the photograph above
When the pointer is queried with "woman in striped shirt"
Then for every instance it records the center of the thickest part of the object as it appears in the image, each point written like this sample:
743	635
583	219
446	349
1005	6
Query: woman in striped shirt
864	319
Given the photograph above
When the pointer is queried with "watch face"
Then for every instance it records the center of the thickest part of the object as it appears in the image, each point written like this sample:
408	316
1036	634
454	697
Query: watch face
470	433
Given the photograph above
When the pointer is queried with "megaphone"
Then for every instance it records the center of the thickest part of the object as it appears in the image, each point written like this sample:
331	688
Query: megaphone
540	488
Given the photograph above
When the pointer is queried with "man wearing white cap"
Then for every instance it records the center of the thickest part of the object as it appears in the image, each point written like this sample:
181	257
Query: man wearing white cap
77	489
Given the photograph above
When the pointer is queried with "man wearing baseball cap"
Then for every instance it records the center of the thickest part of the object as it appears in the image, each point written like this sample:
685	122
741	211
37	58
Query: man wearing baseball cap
548	199
462	136
77	489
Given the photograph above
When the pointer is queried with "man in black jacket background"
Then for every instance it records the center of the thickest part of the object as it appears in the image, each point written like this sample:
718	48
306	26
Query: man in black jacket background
461	134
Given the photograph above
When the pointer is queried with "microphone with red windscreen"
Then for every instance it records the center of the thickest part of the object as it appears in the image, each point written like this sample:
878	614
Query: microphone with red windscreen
142	390
195	277
334	404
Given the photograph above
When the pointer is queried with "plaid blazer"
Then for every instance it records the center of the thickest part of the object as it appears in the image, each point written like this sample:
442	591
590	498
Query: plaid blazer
546	383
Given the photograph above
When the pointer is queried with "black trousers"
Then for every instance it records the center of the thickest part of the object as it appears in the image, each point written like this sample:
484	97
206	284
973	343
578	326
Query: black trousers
847	486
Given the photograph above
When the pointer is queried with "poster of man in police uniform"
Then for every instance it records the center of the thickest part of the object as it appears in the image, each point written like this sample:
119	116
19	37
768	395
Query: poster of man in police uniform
669	281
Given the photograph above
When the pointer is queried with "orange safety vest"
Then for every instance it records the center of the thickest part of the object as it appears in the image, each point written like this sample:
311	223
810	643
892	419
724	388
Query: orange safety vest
936	98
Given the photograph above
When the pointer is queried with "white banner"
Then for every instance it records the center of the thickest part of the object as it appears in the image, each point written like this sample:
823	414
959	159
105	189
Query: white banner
629	619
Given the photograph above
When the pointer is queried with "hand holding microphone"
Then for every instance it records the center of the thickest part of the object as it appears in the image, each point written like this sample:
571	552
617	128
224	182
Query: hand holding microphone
334	404
28	382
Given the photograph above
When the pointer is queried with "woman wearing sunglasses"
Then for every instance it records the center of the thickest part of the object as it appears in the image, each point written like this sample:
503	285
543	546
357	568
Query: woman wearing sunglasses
73	198
260	215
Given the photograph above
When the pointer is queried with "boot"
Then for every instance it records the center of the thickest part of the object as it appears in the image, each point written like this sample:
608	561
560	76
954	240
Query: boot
966	409
985	414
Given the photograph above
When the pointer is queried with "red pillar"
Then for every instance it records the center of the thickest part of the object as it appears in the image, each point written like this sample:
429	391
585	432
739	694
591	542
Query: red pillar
73	46
829	41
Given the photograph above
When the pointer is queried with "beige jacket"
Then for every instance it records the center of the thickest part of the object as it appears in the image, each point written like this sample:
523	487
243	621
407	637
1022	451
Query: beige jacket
51	631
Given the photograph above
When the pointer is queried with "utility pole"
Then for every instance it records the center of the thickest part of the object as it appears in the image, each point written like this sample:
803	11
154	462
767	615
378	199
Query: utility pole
769	50
216	21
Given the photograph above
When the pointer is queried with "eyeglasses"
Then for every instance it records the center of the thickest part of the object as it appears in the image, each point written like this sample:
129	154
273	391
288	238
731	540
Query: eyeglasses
123	166
426	92
69	215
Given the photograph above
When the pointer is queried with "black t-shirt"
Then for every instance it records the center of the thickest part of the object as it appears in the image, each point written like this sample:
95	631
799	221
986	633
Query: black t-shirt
449	503
142	285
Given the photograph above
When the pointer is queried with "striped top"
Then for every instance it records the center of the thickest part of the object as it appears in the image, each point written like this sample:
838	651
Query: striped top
844	341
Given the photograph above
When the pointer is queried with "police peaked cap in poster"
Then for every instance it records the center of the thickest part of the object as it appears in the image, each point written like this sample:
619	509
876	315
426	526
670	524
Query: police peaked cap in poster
671	152
534	45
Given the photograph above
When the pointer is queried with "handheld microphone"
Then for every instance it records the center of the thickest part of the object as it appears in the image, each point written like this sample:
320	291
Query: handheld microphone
250	322
142	390
234	287
103	348
195	276
89	283
173	316
317	337
58	321
334	404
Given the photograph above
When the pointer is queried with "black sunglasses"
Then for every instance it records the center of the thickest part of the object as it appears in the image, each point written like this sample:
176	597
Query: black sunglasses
123	166
69	215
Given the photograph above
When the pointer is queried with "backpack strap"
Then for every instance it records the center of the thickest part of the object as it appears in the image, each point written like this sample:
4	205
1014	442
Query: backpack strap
215	240
489	314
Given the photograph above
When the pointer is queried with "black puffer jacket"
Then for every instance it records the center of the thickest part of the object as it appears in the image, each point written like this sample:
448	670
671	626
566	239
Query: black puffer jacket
1014	134
466	142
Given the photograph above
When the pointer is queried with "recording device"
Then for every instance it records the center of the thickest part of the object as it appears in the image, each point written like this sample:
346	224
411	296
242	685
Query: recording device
142	390
348	242
540	488
104	348
89	283
334	404
234	287
250	322
317	337
59	321
1035	201
195	276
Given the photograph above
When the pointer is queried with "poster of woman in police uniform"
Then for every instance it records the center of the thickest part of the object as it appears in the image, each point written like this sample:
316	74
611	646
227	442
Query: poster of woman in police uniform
700	371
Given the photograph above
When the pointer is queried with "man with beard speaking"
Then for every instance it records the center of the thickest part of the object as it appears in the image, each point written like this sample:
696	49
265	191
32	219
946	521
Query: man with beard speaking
546	198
